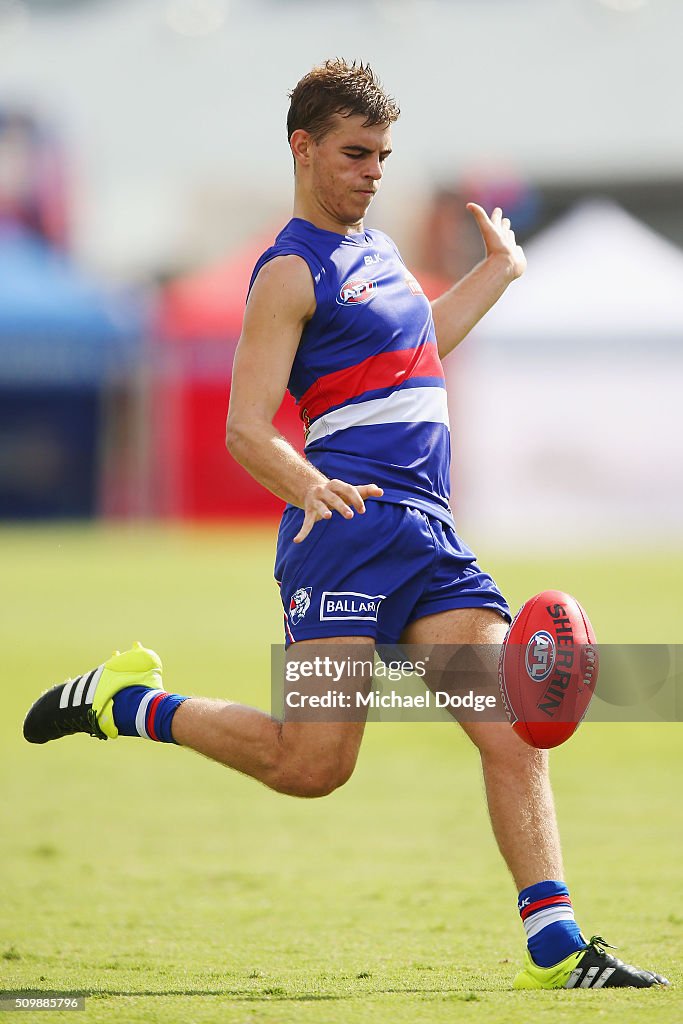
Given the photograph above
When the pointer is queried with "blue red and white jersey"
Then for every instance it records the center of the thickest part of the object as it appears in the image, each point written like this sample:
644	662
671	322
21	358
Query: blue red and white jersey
367	376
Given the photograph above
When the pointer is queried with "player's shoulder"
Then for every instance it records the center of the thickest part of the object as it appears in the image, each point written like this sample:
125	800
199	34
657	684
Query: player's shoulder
298	237
291	254
284	281
282	269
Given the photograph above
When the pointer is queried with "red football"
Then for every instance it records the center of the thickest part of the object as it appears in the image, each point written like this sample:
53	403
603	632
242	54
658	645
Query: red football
548	668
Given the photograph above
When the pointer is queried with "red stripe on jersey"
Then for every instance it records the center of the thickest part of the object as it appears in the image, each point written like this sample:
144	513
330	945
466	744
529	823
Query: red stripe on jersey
382	371
540	904
152	713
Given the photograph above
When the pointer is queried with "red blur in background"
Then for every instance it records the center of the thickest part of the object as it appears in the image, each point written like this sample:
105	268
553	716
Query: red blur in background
198	326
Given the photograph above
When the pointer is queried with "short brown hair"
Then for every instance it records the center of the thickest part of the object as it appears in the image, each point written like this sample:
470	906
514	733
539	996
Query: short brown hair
337	87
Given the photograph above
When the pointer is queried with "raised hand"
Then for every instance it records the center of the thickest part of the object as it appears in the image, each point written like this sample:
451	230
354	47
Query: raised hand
498	236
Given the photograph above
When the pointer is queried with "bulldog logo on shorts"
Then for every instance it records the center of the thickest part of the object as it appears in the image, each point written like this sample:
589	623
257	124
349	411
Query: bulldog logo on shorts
300	603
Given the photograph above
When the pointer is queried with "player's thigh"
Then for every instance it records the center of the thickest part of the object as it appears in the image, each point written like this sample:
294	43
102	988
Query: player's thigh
326	733
463	646
462	642
457	626
466	642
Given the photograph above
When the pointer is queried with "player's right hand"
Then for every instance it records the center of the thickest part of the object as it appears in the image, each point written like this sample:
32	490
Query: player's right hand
335	495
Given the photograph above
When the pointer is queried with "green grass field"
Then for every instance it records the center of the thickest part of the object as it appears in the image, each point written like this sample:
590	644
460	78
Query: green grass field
169	889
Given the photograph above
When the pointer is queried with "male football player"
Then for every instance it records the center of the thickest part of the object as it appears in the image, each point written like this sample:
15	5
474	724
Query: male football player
367	549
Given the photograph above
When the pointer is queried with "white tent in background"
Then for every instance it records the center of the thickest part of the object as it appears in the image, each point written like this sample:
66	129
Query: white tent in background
596	270
567	407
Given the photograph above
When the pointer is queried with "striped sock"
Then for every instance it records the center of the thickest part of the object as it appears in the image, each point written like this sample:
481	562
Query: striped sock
139	711
548	918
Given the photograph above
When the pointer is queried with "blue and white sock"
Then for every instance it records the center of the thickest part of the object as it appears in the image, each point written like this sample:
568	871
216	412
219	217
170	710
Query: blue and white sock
139	711
548	918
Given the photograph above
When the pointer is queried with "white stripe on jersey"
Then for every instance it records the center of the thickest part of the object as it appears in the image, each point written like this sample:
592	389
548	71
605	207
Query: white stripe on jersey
410	405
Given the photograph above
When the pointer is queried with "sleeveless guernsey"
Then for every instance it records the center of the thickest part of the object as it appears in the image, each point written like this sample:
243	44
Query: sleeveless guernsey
367	376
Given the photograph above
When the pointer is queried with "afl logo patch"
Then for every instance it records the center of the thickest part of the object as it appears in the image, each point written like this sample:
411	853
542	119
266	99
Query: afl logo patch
356	290
540	656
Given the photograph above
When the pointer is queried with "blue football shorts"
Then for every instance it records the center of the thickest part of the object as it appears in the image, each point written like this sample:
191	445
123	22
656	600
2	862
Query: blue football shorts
375	574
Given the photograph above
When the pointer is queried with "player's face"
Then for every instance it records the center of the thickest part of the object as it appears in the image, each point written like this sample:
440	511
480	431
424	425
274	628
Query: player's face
346	168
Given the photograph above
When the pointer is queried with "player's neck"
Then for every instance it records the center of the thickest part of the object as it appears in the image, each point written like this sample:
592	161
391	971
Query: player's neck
306	208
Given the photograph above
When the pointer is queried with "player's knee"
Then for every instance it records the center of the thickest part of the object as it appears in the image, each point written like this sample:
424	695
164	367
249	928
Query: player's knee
322	783
314	780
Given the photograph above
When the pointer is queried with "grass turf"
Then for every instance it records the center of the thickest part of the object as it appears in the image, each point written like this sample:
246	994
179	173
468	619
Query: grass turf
168	889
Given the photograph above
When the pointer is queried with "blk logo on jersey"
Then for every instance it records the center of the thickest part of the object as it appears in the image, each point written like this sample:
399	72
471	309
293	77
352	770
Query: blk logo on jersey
540	656
356	290
346	604
299	603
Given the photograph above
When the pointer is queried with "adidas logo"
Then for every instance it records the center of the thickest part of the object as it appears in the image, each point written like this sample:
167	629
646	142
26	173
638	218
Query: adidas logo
593	977
81	690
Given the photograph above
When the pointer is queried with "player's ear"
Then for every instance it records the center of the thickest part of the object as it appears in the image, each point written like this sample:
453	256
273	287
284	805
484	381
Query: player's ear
301	143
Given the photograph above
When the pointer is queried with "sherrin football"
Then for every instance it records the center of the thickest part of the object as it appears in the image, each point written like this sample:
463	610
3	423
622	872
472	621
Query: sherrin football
548	668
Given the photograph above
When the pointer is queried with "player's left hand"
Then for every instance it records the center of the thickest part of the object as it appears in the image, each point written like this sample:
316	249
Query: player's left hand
499	238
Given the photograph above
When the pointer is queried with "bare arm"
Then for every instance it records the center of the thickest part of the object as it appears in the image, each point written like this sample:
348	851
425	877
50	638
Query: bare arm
281	302
462	306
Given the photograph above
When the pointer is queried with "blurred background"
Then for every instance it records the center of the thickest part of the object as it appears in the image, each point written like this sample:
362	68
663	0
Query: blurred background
144	166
